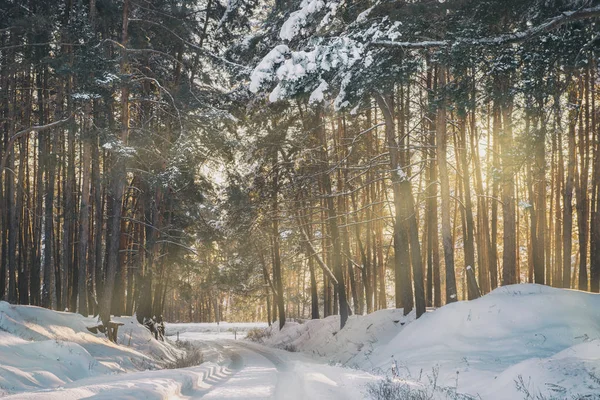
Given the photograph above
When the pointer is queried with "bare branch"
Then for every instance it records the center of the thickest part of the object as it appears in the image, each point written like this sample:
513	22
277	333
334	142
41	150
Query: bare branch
35	129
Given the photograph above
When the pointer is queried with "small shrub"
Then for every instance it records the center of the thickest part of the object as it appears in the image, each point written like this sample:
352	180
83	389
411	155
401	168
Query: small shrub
388	389
191	358
398	389
185	345
529	392
258	334
290	347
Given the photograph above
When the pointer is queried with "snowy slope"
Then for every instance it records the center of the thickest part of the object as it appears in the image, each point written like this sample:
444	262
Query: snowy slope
545	337
350	346
40	349
242	371
157	384
518	341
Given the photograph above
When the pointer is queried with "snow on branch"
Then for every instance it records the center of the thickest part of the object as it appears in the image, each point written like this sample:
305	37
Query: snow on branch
508	38
264	71
298	19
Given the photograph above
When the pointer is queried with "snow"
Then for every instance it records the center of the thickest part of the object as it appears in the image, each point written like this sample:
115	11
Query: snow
328	18
350	346
524	204
340	100
529	330
292	70
362	17
298	19
159	384
263	73
233	370
318	95
41	349
211	330
518	342
401	174
301	71
517	339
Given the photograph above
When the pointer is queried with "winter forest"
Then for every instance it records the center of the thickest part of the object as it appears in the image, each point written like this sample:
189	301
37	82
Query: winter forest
276	162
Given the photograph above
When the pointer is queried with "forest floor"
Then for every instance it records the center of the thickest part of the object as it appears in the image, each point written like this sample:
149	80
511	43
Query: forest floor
519	342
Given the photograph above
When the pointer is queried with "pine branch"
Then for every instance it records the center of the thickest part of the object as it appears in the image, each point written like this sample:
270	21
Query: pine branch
507	38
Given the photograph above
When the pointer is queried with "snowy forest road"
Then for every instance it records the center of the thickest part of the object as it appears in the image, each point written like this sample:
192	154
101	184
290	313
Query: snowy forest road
231	369
259	372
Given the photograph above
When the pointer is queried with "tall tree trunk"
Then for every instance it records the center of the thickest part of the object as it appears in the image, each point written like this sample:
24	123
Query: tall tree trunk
11	212
117	185
451	292
509	255
34	284
332	219
433	258
277	273
539	183
595	203
582	182
496	127
568	191
84	228
469	236
361	251
483	227
560	177
404	208
97	260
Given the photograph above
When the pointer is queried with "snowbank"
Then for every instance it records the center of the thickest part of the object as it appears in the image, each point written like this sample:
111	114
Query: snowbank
537	337
351	346
41	349
158	384
519	341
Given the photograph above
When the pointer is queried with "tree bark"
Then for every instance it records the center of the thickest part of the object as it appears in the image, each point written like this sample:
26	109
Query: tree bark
117	185
509	255
451	292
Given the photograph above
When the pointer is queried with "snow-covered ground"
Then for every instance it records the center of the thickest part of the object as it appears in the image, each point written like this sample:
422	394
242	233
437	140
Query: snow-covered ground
221	330
41	349
519	342
51	355
351	346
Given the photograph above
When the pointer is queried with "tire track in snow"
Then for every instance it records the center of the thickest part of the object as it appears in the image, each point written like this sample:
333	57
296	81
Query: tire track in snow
281	365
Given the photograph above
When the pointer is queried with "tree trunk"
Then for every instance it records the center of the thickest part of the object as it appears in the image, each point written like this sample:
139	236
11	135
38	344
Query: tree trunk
451	292
568	191
277	273
469	236
595	203
582	183
539	176
509	255
84	228
117	185
404	216
333	223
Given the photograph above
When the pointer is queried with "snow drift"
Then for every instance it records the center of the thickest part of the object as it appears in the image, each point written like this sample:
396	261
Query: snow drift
351	346
519	341
41	349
